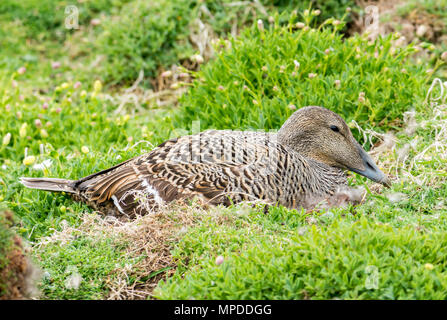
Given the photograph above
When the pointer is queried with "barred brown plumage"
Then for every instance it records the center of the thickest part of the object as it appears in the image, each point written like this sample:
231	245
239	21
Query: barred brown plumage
299	166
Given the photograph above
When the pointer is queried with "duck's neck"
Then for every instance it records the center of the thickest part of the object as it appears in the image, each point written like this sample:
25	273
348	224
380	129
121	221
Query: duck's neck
328	182
310	181
327	175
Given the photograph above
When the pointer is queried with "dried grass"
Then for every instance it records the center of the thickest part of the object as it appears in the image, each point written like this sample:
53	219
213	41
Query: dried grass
405	161
151	237
148	240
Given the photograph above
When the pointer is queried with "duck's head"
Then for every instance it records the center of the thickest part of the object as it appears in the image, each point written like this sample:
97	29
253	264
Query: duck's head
324	136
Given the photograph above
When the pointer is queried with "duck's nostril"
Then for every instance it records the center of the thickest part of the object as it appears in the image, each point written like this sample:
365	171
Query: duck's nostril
370	166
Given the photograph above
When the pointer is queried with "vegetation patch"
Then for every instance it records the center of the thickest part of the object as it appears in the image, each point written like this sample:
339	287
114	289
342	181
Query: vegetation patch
344	260
18	275
260	78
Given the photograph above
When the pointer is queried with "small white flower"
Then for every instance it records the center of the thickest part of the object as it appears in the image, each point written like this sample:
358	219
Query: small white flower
44	165
73	281
400	42
421	30
95	22
21	70
397	197
197	58
55	65
260	25
44	133
219	260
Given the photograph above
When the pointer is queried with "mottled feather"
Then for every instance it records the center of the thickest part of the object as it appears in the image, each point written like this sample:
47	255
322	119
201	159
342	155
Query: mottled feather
300	166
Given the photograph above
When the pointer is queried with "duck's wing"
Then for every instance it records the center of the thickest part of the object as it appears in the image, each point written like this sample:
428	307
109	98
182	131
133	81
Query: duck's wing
217	166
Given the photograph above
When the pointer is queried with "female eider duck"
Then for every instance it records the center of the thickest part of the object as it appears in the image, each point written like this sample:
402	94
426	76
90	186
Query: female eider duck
298	166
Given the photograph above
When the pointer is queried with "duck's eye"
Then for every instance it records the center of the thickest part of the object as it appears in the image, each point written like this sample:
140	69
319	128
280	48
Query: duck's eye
335	128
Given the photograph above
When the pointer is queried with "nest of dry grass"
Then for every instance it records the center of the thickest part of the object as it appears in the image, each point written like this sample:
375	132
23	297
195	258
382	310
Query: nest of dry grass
148	240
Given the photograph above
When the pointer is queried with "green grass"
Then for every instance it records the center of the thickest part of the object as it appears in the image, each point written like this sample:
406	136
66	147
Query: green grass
94	260
284	254
434	7
150	36
46	19
131	35
254	83
84	118
336	258
145	36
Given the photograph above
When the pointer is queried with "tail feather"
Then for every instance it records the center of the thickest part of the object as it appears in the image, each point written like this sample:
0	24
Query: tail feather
49	184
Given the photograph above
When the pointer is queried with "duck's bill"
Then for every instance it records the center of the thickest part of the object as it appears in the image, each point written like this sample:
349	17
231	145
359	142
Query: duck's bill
371	171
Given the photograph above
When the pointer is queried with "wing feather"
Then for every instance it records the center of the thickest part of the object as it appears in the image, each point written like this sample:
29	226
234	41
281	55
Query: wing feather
171	171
